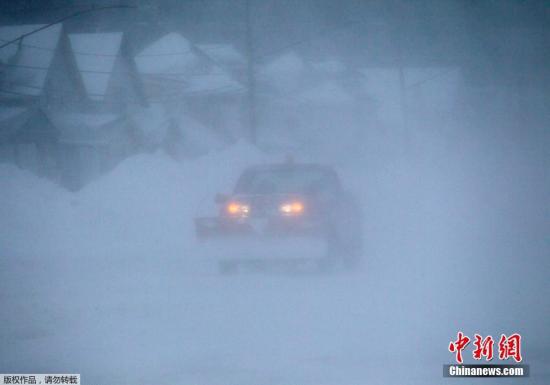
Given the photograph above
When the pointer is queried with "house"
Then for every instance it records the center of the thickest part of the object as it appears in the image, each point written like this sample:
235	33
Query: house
98	130
90	144
27	137
308	106
227	57
177	75
25	64
67	103
224	54
107	71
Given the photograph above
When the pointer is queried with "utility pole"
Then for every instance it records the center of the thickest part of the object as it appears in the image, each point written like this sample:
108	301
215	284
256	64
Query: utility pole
402	93
398	46
251	78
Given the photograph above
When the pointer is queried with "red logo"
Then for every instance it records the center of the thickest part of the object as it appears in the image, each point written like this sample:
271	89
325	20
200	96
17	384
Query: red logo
484	347
458	346
508	347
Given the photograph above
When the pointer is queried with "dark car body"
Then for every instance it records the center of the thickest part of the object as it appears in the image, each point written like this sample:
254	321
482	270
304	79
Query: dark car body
285	212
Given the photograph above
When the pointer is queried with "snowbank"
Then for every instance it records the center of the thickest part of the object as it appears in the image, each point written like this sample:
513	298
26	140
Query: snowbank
105	280
32	210
148	201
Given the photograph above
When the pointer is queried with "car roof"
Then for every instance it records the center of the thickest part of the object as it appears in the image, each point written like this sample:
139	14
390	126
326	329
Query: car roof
328	171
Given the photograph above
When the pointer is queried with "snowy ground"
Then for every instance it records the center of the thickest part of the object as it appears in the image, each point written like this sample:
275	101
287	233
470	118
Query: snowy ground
107	282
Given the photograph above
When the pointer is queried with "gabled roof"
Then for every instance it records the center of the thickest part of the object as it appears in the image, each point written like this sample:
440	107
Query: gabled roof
171	54
289	63
224	54
174	59
216	80
95	55
28	60
285	73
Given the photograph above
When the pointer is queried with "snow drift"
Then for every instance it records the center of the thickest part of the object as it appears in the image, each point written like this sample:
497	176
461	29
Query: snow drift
106	281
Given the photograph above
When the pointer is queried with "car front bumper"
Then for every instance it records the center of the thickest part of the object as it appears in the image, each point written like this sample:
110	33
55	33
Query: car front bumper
259	240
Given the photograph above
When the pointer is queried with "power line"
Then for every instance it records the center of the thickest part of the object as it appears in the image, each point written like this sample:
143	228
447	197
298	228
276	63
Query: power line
78	13
227	88
102	54
35	9
166	74
36	88
260	57
321	35
250	76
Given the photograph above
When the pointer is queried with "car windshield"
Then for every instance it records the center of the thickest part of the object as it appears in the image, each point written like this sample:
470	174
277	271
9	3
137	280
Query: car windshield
287	180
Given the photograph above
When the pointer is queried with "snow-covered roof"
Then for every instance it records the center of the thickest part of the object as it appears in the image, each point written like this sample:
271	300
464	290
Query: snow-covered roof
223	54
217	80
285	73
28	60
173	59
95	55
171	54
289	63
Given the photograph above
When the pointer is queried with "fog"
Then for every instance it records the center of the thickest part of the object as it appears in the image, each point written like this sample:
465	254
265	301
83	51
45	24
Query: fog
119	126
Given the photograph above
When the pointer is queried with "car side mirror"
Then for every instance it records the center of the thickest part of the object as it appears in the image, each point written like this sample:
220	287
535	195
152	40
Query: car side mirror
221	198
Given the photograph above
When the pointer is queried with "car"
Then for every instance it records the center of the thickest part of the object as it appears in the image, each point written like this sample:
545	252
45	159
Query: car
284	213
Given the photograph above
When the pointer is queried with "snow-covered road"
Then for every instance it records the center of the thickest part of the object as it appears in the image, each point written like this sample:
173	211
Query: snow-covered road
107	282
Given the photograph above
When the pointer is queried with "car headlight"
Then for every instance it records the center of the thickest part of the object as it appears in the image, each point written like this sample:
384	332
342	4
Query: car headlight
237	209
292	208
